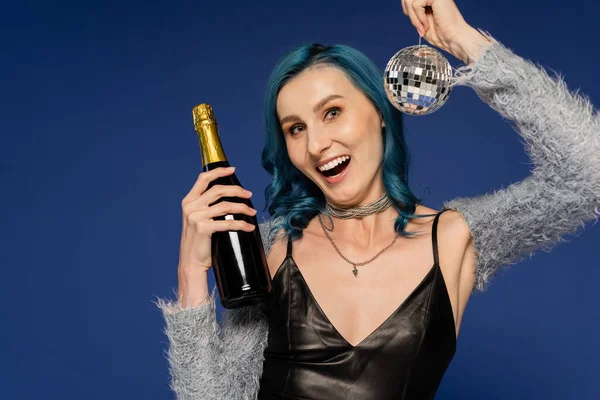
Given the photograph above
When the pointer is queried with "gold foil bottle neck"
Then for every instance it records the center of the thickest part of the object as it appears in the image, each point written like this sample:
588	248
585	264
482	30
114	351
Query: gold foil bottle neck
203	114
206	127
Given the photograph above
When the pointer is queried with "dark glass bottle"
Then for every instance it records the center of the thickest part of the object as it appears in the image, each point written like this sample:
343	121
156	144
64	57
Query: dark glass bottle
238	257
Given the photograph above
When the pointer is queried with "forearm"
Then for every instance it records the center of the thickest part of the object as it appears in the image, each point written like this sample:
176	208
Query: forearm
469	44
192	289
208	361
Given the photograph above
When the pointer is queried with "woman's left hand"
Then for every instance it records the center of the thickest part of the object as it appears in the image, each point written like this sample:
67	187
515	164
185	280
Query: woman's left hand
441	24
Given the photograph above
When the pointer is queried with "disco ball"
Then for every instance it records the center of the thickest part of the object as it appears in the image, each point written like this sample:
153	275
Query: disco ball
417	80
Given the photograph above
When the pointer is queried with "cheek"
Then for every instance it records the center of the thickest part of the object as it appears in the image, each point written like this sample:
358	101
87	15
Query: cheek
371	145
358	126
349	133
362	134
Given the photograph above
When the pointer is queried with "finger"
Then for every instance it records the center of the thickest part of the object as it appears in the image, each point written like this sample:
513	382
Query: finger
211	227
204	179
217	191
404	7
225	208
414	19
419	8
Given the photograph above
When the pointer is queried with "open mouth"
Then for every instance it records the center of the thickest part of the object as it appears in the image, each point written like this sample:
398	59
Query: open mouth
338	169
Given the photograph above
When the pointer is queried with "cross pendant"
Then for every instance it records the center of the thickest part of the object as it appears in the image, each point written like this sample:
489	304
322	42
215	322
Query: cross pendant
355	271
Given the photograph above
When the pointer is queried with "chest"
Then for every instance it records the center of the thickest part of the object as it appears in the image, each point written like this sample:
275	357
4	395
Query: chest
308	357
356	306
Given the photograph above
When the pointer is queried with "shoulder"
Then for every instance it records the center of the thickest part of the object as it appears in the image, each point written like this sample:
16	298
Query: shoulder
458	233
455	232
455	223
455	242
457	256
269	237
274	243
459	238
450	222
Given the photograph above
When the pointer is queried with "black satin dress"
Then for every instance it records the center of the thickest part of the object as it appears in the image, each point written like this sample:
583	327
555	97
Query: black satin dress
404	358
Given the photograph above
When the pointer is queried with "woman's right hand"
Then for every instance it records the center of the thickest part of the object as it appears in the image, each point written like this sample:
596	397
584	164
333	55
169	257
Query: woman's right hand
195	255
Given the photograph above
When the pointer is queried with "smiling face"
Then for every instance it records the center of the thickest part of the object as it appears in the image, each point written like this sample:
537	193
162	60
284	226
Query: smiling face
324	116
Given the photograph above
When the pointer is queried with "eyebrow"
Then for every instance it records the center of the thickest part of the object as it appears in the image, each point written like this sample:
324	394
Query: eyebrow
316	108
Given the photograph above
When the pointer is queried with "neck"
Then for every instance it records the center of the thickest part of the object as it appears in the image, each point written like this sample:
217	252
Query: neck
376	206
366	232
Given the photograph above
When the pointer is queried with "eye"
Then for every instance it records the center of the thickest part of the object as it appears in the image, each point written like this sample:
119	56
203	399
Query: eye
292	130
335	110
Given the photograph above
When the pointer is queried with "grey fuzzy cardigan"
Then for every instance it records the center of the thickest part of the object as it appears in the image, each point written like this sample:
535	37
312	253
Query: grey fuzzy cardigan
561	134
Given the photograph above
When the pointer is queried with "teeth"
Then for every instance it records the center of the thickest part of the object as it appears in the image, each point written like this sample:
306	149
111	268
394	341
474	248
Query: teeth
333	163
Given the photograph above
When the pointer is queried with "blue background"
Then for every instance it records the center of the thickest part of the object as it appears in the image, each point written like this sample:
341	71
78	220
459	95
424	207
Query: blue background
98	150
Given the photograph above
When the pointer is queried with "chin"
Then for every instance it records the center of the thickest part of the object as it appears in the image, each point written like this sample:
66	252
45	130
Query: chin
346	197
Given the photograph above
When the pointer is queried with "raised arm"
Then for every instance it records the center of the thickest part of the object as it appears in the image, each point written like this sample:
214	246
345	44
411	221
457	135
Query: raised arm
211	361
561	134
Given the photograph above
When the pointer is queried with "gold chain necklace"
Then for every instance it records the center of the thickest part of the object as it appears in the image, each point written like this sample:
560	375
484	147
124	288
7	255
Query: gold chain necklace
355	271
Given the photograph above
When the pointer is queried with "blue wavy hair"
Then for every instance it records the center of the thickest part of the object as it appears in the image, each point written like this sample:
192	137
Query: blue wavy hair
293	199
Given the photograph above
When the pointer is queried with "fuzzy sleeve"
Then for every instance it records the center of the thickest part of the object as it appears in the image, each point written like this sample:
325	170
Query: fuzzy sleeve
196	349
212	361
561	134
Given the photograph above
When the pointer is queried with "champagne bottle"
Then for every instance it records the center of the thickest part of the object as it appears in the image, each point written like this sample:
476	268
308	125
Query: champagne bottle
238	257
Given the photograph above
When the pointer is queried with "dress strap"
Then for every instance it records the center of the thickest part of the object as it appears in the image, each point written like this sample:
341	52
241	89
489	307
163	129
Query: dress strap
434	238
289	246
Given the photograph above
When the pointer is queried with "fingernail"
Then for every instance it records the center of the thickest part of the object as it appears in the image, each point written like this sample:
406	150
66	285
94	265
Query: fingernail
248	192
231	168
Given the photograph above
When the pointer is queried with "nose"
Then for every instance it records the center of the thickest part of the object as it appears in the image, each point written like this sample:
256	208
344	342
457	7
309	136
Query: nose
318	142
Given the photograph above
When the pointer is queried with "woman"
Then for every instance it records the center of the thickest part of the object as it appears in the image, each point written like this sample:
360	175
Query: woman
369	286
